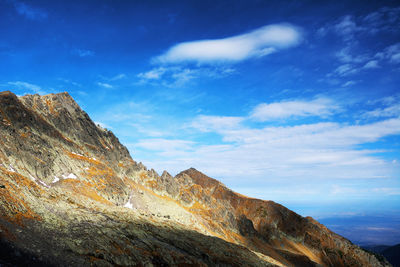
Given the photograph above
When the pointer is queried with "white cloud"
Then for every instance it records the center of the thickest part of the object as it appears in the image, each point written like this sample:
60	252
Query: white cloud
390	53
169	77
347	28
320	151
346	56
160	144
153	74
320	107
387	191
372	64
393	53
389	111
384	19
339	190
324	150
29	86
349	83
28	11
149	130
102	125
257	43
345	70
105	85
353	30
118	77
83	53
177	76
214	123
70	82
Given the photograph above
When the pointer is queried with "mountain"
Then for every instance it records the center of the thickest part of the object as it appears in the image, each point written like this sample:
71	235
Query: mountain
71	195
391	253
376	249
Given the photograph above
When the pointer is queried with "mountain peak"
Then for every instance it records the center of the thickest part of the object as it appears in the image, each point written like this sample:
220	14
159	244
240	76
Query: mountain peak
63	179
200	178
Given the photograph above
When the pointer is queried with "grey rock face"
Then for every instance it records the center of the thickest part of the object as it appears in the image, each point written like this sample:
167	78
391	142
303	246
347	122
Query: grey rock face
71	195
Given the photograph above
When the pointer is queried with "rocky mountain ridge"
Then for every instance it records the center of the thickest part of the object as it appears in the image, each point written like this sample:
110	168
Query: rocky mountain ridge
71	194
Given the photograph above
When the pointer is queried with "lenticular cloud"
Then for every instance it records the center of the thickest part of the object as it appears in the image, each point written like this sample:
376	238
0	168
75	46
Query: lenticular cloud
257	43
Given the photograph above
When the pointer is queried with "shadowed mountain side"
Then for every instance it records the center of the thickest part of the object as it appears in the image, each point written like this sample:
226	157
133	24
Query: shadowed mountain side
70	194
116	242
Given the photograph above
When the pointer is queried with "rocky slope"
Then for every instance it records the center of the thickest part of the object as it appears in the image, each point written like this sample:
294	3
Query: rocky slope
71	195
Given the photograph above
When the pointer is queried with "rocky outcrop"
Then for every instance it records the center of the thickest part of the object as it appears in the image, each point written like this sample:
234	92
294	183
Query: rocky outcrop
71	195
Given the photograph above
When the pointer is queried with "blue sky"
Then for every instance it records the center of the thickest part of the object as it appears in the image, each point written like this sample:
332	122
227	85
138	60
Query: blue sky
298	102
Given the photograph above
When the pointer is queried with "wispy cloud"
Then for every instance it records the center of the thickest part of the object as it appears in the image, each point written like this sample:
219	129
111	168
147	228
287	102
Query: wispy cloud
322	150
118	77
346	56
83	52
385	19
257	43
215	123
349	83
355	57
102	125
372	64
28	11
153	74
347	28
391	53
105	85
345	70
392	110
68	81
28	86
387	190
320	107
171	69
177	76
160	144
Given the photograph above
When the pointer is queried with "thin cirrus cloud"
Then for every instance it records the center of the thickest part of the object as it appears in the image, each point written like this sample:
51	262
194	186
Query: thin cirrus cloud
105	85
164	144
319	150
28	86
28	11
320	107
331	151
82	52
257	43
206	123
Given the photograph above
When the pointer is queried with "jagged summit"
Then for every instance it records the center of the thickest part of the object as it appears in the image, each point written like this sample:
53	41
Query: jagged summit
71	195
200	178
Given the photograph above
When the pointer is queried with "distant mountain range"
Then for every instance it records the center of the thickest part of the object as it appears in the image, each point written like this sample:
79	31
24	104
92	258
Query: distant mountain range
366	229
391	253
71	195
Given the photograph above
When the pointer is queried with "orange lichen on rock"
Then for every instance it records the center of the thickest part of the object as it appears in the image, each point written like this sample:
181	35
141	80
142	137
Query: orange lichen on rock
81	157
143	175
85	189
103	144
5	120
38	159
92	147
117	249
50	106
13	206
